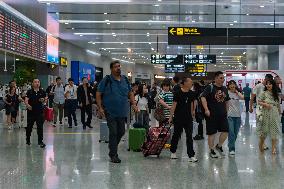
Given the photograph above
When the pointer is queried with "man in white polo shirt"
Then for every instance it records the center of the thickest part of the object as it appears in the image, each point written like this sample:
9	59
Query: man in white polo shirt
71	102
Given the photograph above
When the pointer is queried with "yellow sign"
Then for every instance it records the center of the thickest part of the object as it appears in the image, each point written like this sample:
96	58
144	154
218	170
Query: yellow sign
63	61
184	31
197	68
199	47
179	31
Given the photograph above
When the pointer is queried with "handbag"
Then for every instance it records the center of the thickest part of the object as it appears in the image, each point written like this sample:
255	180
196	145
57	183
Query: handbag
159	113
2	104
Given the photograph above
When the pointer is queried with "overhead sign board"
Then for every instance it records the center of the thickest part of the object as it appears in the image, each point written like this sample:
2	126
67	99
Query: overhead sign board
174	68
166	59
202	74
225	36
183	59
195	68
199	59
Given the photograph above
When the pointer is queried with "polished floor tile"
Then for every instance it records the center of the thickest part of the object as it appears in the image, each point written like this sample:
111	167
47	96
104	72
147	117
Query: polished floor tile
74	159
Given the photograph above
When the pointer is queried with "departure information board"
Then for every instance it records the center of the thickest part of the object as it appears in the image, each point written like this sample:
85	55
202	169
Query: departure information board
174	68
166	59
19	37
199	59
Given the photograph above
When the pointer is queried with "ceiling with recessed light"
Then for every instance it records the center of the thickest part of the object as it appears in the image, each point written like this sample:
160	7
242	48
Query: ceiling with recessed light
132	30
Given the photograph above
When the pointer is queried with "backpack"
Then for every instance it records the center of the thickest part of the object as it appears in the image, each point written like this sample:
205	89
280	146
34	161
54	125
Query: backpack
109	82
159	112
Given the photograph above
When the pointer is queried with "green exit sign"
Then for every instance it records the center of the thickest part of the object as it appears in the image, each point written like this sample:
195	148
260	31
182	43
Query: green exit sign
24	35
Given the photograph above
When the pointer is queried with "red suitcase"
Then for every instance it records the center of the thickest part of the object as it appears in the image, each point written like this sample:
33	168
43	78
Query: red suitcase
48	114
156	140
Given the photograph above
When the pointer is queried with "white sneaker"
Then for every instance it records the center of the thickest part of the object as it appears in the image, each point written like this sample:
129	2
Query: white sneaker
193	159
213	154
232	153
173	156
220	150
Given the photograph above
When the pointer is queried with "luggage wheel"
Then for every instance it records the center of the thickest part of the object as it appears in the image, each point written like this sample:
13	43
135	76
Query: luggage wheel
100	141
128	149
145	155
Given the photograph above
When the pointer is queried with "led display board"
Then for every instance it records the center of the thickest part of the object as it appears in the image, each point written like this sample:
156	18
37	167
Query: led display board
17	36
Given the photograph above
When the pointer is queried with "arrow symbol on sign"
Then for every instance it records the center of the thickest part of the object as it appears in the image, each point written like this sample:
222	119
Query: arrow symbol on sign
172	31
153	56
153	61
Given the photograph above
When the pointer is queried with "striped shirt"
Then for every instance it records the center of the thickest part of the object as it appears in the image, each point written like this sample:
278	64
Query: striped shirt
168	98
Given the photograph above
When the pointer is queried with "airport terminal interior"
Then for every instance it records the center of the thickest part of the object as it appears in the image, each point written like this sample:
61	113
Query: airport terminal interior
205	73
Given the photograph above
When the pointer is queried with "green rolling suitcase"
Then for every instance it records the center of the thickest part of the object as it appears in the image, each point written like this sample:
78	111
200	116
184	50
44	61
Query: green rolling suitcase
136	138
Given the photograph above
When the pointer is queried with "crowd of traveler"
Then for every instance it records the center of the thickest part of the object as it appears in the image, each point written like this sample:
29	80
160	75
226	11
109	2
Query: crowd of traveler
183	102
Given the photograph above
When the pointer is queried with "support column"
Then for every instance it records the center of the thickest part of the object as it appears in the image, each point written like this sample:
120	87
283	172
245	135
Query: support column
281	58
262	58
251	59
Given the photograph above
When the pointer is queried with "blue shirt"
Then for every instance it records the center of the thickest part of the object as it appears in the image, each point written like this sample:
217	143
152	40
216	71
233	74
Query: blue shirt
115	96
247	92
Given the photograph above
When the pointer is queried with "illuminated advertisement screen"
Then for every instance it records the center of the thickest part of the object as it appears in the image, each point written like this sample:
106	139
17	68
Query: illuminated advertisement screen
81	69
52	49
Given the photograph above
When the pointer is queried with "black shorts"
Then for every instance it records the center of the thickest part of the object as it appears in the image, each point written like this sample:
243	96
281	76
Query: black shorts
12	111
216	124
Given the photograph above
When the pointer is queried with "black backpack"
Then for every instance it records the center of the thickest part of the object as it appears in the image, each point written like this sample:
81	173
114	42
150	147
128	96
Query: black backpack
109	82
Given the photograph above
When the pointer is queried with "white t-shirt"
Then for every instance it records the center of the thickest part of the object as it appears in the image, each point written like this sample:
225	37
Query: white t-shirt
142	102
72	92
234	105
257	90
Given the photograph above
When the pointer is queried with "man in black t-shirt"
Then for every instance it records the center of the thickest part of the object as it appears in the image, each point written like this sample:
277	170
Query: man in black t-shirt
34	102
176	86
214	100
183	110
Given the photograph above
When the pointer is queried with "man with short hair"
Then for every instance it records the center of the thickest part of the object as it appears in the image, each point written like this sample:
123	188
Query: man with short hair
215	99
58	101
113	96
247	92
34	101
183	110
176	86
71	102
85	102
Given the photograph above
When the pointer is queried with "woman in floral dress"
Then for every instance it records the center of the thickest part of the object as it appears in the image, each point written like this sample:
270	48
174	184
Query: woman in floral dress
270	115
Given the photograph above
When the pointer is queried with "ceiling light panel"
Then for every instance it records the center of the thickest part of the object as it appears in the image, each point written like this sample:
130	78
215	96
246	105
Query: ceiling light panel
84	1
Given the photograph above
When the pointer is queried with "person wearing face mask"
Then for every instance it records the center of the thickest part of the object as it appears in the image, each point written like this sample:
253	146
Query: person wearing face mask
234	115
269	119
113	95
84	94
142	103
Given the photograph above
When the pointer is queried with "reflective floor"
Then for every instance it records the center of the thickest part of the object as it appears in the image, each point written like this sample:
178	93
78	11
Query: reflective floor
75	159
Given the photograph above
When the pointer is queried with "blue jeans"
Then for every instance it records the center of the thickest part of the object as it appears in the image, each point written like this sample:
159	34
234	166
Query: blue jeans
234	127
